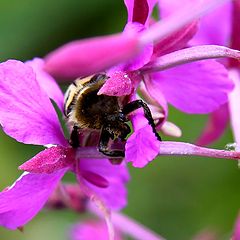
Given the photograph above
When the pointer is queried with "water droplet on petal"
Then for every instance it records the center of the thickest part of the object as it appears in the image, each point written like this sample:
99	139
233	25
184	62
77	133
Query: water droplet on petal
232	147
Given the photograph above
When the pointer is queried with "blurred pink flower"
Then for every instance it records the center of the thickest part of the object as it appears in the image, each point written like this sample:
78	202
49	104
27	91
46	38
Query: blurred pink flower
124	227
92	230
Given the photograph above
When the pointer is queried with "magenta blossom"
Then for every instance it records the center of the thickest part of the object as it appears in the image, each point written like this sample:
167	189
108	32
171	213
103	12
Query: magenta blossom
219	27
124	227
91	230
27	114
162	69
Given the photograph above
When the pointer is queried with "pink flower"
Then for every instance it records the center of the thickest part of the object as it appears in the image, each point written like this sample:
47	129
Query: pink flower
219	27
91	230
124	227
166	70
27	114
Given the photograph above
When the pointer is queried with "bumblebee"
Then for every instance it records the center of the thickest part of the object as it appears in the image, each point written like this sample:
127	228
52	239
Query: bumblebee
85	109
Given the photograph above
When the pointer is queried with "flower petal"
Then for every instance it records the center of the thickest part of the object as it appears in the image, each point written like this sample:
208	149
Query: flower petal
92	230
25	198
170	7
50	160
144	56
88	56
216	124
26	113
142	146
140	10
234	106
199	87
177	40
118	84
235	38
46	82
153	98
220	21
95	179
185	15
114	195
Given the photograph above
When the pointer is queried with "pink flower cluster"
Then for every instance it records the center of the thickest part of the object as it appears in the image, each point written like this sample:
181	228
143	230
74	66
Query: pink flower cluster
159	61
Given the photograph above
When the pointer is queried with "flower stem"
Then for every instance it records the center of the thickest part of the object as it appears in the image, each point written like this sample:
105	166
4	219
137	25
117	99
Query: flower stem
181	148
188	55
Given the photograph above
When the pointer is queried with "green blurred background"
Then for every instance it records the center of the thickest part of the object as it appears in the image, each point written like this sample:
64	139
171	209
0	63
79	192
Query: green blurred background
176	197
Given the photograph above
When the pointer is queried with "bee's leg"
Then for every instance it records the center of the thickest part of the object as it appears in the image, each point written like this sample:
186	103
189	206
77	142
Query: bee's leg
132	106
74	138
103	145
125	132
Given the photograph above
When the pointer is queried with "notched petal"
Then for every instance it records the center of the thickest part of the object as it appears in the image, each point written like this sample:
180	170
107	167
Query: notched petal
46	82
26	112
50	160
26	197
199	87
142	146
